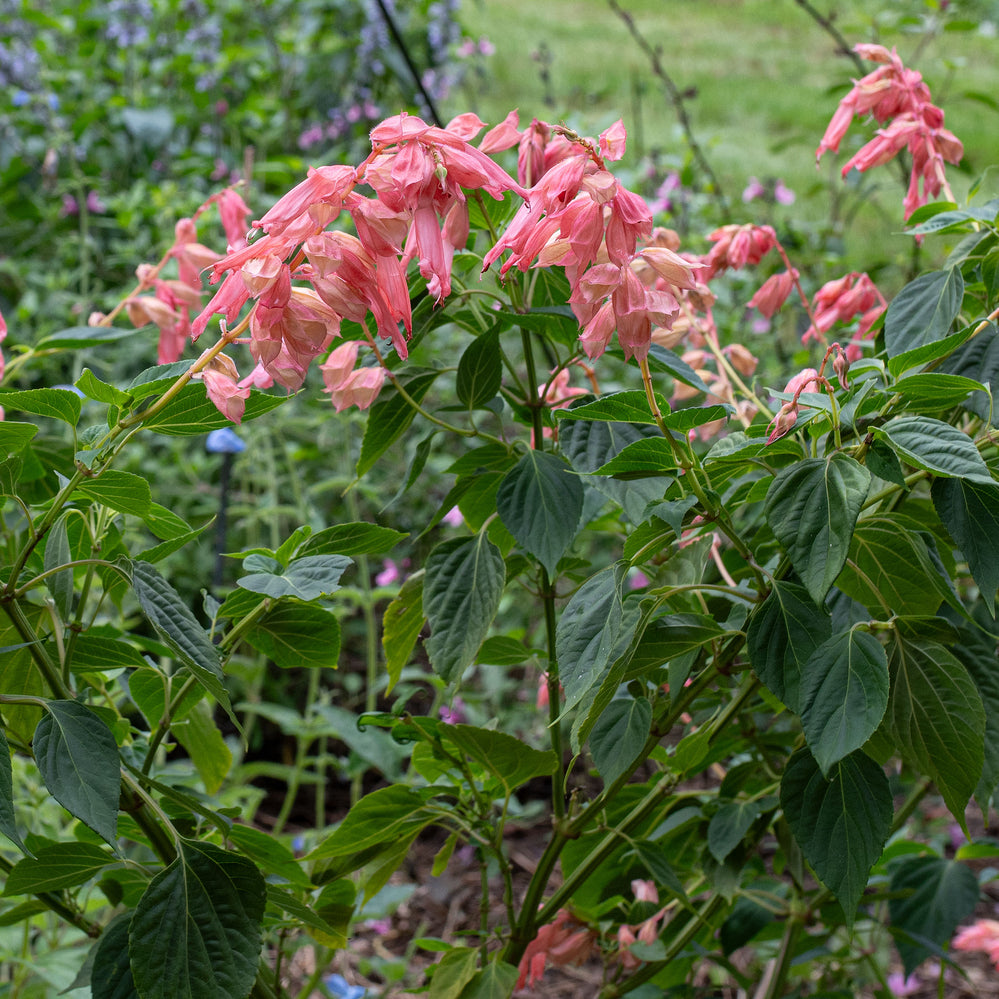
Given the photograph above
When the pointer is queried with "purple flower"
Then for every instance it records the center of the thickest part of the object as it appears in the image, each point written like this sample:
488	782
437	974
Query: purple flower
783	195
901	986
754	189
94	204
453	518
455	713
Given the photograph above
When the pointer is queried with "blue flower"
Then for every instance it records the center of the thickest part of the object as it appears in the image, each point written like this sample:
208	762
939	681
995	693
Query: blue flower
224	441
339	986
19	98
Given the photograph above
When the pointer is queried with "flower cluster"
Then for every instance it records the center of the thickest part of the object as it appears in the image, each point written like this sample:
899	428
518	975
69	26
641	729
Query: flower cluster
898	98
980	935
304	278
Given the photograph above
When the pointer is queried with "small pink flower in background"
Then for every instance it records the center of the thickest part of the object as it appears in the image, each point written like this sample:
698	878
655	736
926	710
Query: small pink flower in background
737	246
980	935
637	580
379	926
454	517
644	891
774	292
94	204
390	573
69	206
841	301
3	335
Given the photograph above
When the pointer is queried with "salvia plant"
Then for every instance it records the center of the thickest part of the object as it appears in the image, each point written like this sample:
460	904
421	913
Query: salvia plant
763	616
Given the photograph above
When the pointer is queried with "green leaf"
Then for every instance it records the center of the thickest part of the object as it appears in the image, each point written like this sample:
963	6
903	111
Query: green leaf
540	502
510	761
122	491
495	981
631	406
453	972
923	310
919	356
462	587
57	553
651	856
670	637
978	359
682	421
196	929
14	437
935	446
307	578
268	853
179	628
841	823
390	415
812	507
191	413
199	735
111	972
317	927
619	735
383	816
593	631
590	444
78	760
93	388
661	359
64	865
59	404
890	569
503	651
401	626
883	462
77	337
480	370
783	633
970	512
937	719
8	825
730	823
294	634
352	539
935	391
844	695
930	897
642	458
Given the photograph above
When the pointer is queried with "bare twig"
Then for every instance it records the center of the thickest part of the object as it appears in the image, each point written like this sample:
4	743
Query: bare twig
677	100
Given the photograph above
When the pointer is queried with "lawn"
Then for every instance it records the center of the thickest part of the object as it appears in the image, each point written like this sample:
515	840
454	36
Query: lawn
760	78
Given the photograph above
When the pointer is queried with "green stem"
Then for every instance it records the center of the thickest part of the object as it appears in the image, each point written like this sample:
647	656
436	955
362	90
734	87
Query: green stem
49	670
782	962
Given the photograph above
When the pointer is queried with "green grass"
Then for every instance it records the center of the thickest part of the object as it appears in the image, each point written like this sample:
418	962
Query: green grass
762	80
